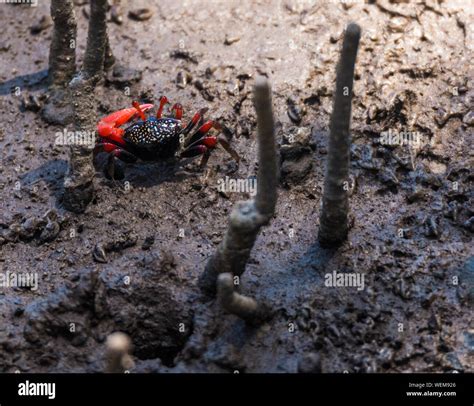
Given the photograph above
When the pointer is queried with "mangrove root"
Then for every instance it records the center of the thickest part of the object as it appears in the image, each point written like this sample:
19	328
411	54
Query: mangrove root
248	217
118	358
244	307
334	224
62	63
78	184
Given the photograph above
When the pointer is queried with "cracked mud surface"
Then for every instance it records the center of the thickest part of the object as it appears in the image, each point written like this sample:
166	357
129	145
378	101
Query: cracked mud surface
132	260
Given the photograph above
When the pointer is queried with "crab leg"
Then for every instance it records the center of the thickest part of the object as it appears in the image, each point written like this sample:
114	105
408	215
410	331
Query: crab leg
201	149
116	151
178	111
163	101
231	151
197	118
199	143
201	132
194	151
209	142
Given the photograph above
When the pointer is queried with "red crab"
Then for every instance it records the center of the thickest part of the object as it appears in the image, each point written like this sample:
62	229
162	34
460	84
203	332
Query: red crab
156	138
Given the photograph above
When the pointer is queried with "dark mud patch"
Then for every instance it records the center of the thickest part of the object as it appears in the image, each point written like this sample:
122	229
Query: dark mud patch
155	313
81	312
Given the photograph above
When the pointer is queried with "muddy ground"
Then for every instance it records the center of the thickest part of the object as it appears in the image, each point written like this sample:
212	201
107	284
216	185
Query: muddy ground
412	205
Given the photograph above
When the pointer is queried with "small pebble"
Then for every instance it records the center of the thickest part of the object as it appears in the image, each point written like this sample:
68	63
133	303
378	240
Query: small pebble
99	254
469	224
44	23
50	232
294	113
149	241
431	228
231	40
116	15
141	14
397	24
417	195
469	119
182	79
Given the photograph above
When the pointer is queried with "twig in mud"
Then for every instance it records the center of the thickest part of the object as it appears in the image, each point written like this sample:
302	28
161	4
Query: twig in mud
248	217
109	59
118	359
78	184
334	222
244	307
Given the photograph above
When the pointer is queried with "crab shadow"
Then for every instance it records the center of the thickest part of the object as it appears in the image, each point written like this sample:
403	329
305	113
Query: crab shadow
145	174
31	82
297	279
51	173
142	174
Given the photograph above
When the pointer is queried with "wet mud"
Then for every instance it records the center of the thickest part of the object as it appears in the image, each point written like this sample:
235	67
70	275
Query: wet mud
131	262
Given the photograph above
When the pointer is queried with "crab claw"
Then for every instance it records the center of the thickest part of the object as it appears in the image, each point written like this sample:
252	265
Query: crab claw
108	126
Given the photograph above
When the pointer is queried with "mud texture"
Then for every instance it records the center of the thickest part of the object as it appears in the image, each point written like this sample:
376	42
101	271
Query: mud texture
131	261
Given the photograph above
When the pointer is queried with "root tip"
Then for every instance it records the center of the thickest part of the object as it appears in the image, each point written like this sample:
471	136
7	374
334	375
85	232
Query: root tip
353	30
